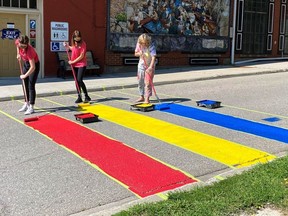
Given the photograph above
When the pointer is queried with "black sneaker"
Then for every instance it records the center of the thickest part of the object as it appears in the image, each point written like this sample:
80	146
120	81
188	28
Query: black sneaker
87	99
79	100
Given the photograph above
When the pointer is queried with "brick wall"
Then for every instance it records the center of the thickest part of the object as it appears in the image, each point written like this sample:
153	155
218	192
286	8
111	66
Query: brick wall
113	59
165	59
173	59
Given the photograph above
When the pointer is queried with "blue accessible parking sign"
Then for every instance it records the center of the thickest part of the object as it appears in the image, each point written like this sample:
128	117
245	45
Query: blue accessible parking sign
57	46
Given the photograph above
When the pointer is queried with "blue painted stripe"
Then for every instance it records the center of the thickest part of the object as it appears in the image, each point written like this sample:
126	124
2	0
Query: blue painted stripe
258	129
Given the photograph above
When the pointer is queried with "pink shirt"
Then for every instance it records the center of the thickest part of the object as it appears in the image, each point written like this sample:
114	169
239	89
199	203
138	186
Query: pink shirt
27	54
76	52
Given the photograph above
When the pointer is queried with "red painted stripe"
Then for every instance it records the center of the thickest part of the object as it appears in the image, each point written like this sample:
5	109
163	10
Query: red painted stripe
142	174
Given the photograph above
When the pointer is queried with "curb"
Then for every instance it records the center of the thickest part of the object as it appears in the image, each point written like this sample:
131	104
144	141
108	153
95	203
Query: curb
116	87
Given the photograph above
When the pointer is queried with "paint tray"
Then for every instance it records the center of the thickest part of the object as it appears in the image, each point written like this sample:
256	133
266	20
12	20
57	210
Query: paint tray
209	104
143	107
86	117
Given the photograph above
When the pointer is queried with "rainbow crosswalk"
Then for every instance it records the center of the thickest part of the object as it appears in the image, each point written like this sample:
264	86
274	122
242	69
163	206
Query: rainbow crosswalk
223	151
141	174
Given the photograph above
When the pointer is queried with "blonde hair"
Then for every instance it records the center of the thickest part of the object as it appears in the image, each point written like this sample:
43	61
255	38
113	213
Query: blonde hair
144	39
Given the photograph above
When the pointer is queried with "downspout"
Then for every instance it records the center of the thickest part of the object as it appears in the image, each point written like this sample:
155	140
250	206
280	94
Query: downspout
233	34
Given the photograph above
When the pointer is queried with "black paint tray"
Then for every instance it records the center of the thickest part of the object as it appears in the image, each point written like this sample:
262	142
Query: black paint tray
209	104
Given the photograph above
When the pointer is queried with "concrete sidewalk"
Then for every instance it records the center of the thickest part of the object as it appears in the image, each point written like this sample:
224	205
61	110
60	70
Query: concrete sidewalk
10	88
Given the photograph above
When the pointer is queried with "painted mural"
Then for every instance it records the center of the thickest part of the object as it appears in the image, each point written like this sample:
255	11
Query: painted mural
173	20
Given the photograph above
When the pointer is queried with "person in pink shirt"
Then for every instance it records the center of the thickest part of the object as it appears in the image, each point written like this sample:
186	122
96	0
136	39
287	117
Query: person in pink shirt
79	62
31	67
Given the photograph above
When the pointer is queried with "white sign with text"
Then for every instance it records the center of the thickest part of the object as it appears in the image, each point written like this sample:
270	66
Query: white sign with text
59	31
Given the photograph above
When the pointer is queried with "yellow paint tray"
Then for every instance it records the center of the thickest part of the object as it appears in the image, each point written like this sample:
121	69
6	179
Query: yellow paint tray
143	107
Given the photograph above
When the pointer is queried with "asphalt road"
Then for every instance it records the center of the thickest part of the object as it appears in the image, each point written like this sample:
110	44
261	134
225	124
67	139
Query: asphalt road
39	177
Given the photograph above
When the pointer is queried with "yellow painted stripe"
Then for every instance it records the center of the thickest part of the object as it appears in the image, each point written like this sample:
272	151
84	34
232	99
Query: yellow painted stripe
229	153
162	196
219	177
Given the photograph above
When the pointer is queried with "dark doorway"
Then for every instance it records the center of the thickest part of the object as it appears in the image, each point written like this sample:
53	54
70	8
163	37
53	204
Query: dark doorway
255	27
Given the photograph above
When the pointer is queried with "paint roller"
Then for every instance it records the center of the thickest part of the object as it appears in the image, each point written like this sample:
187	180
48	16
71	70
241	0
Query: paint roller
35	118
31	119
82	105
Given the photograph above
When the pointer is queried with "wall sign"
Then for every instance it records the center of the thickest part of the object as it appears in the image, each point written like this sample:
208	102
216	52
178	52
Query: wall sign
59	31
32	33
10	25
32	24
57	46
10	34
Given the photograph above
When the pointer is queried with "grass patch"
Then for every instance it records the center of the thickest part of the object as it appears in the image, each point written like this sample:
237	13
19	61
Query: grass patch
250	190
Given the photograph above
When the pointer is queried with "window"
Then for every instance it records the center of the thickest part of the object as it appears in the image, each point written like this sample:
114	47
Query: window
23	3
32	4
15	3
284	27
255	27
6	3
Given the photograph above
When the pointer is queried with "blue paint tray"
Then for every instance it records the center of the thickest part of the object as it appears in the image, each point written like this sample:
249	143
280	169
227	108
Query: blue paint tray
209	104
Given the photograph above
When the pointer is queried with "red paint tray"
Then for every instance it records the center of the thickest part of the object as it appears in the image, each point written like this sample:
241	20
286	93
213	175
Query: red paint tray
86	117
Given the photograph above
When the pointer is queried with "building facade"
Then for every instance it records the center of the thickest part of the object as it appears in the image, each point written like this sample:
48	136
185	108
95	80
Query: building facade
186	32
40	19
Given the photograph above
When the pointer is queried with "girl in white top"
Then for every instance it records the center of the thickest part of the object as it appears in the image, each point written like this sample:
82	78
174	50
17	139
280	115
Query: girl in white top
146	52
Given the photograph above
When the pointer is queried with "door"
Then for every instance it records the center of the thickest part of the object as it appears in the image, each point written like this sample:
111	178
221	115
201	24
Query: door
255	27
9	66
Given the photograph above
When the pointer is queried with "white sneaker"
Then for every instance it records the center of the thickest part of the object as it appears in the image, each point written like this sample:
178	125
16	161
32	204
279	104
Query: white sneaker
29	111
23	108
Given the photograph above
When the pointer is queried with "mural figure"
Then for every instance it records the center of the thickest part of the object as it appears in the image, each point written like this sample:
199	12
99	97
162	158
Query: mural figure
176	17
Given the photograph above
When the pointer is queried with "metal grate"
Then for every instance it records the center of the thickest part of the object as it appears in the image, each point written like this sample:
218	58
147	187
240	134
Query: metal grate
204	61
